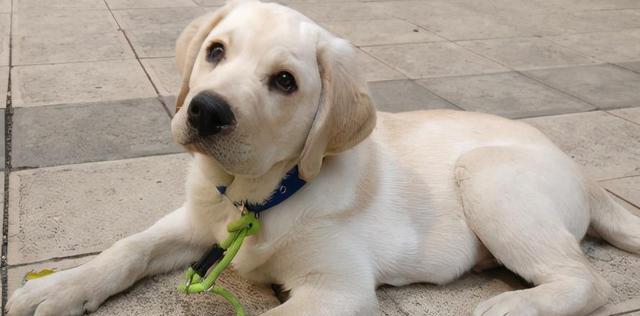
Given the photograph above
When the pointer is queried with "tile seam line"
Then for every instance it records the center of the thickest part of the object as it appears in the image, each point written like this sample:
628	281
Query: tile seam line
620	117
542	82
81	163
137	58
55	259
621	198
7	166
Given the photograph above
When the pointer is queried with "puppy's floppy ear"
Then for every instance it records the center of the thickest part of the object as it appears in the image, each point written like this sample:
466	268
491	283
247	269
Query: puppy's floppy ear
189	43
345	115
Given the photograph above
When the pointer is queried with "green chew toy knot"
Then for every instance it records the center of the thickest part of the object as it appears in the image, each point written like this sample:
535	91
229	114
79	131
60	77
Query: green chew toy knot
197	278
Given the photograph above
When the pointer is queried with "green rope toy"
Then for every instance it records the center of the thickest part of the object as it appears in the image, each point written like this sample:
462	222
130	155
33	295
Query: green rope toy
247	225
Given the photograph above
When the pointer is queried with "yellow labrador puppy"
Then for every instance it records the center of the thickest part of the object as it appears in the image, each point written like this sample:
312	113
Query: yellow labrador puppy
389	199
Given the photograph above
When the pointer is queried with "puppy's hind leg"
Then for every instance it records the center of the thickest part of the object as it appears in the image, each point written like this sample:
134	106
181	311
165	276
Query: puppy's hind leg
529	209
613	222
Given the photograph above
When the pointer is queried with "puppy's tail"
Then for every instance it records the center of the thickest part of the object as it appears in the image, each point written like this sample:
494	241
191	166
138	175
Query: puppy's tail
613	222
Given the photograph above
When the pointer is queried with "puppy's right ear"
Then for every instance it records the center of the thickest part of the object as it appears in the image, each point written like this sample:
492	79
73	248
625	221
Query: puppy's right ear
189	43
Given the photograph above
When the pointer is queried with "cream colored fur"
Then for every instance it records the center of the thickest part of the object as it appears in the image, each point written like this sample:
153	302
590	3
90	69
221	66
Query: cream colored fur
422	197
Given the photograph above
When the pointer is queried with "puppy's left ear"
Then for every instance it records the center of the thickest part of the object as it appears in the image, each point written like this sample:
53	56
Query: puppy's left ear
345	115
190	42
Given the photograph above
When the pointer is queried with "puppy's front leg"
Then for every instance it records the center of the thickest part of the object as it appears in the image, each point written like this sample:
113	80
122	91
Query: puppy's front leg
168	244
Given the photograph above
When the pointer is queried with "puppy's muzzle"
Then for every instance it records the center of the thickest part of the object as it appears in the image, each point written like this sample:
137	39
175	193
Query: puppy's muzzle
210	114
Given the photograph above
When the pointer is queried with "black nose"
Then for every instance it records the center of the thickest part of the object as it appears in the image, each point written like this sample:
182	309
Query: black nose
209	114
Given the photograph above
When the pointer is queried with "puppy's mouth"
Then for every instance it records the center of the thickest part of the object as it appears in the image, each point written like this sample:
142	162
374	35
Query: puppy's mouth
194	137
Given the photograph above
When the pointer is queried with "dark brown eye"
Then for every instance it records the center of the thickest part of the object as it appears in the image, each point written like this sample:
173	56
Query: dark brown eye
284	81
215	52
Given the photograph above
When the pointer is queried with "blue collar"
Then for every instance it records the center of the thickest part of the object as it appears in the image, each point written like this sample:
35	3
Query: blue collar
289	185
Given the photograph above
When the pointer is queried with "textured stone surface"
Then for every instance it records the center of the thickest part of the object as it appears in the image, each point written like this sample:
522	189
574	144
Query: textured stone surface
5	22
526	53
457	298
164	74
607	146
633	66
79	82
153	32
157	295
5	6
68	21
374	70
404	95
507	94
381	32
629	114
2	139
68	134
433	60
138	4
626	188
4	85
339	11
70	210
605	47
468	27
39	5
75	47
605	86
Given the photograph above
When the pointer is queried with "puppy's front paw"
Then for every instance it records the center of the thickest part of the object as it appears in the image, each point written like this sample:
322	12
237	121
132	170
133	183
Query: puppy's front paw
66	293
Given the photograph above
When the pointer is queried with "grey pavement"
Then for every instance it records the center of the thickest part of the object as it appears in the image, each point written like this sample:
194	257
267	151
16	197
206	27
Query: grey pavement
87	90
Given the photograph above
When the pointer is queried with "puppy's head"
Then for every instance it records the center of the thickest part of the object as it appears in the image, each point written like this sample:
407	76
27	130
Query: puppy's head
263	84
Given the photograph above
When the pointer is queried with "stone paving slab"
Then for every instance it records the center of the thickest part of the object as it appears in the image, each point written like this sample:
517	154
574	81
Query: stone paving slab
340	11
607	146
633	66
526	53
68	134
144	4
582	5
5	6
471	27
210	3
506	94
612	20
605	86
373	69
405	95
68	21
75	209
79	82
629	114
433	60
45	49
554	23
626	188
5	27
2	141
606	47
153	32
31	5
157	295
4	85
164	74
457	298
381	32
